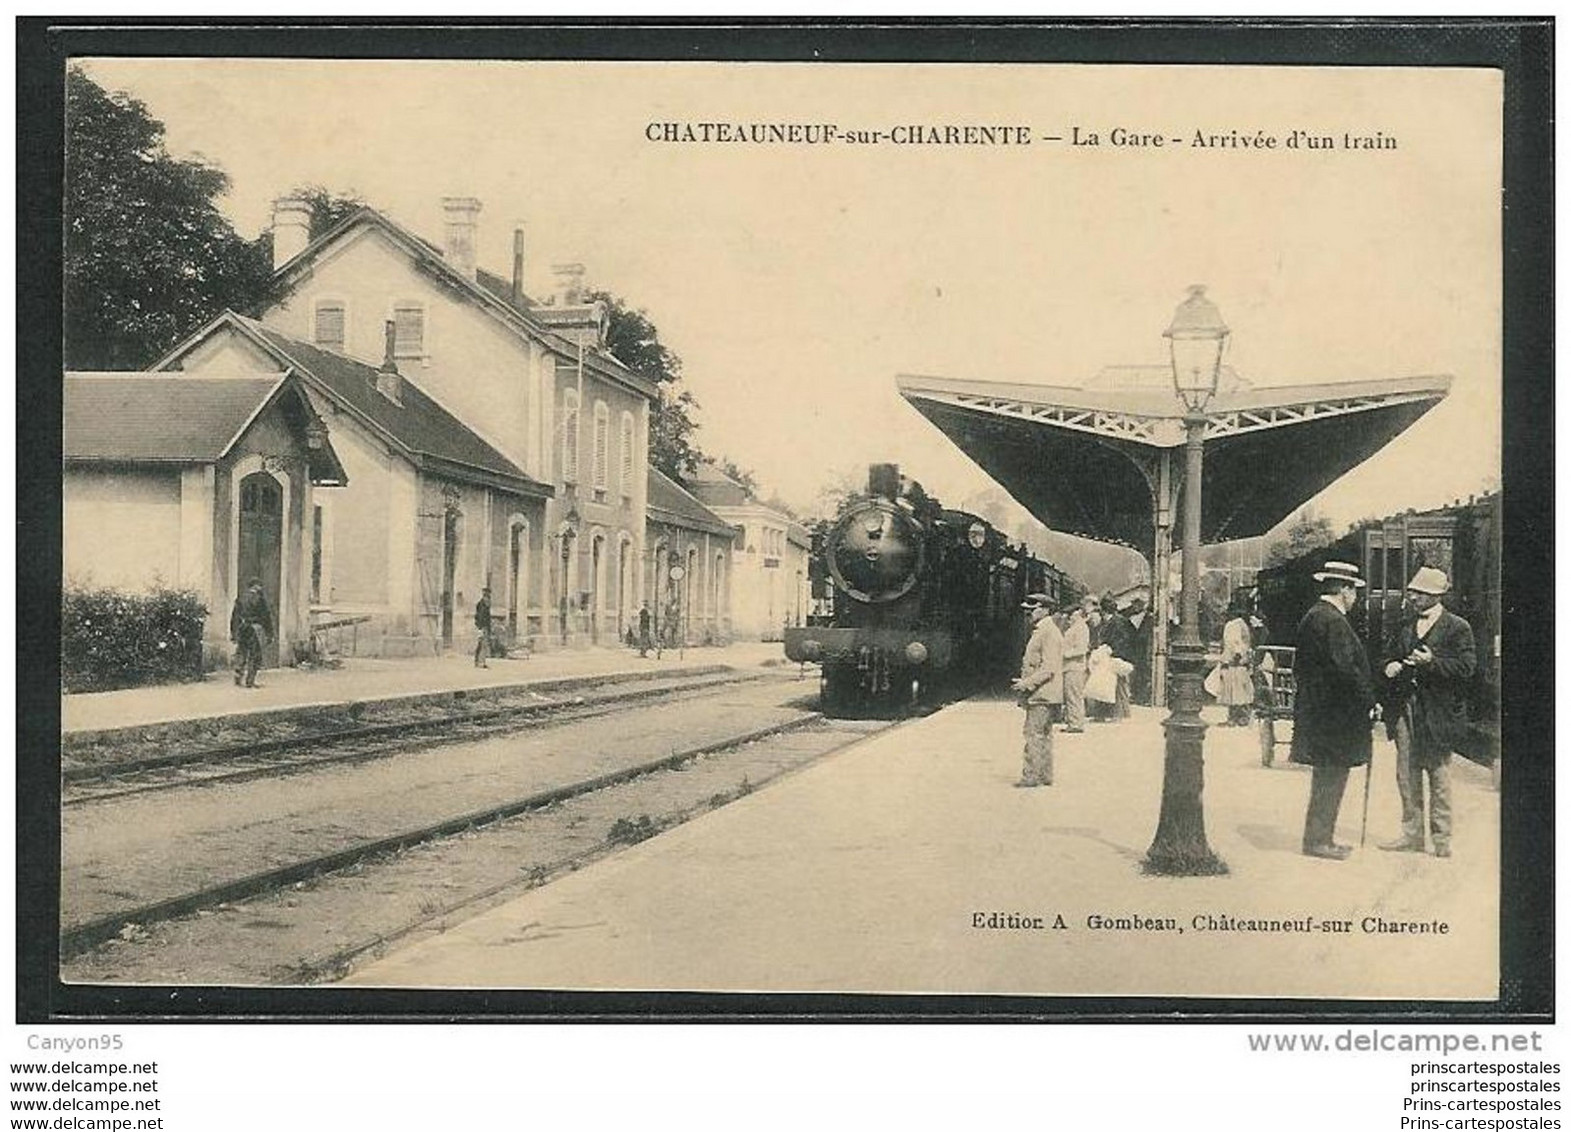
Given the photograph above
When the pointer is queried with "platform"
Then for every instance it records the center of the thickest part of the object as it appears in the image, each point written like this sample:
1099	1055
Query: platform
281	689
909	863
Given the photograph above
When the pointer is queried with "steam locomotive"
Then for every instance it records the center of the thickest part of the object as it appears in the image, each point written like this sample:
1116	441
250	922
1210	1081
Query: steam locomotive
920	603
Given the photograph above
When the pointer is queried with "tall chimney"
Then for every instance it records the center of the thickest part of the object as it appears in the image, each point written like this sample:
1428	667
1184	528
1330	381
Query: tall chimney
518	266
387	378
291	229
569	287
463	214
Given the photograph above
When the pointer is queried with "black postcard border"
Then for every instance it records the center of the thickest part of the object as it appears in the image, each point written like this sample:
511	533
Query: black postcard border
1521	48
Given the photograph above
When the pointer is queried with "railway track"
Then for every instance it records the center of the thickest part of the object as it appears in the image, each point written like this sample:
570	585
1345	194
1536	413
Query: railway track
116	882
113	778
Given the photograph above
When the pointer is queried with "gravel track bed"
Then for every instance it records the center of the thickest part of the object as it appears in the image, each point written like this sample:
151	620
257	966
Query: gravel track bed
335	723
319	749
315	931
122	854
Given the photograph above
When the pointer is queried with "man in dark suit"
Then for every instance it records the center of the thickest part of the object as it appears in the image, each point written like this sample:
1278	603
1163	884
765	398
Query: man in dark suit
1118	634
483	628
1333	707
1427	676
250	625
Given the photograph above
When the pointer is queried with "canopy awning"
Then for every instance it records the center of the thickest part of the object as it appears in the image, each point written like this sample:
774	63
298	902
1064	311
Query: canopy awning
1086	461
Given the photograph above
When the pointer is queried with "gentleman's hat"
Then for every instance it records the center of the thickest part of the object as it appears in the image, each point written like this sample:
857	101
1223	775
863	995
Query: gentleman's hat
1036	601
252	582
1429	580
1340	572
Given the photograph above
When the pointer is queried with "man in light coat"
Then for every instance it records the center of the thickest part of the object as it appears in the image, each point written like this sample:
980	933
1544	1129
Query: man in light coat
1077	652
1042	686
1427	679
1333	705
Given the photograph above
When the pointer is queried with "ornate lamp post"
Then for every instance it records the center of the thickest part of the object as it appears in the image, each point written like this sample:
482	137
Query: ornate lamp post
1197	338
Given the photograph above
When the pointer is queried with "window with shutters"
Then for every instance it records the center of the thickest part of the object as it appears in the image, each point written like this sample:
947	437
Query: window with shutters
328	332
408	330
602	448
570	435
629	456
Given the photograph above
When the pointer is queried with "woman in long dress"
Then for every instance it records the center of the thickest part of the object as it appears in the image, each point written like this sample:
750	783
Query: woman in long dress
1238	661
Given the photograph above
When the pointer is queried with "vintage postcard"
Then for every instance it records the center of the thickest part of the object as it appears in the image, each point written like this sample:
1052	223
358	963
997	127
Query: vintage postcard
708	526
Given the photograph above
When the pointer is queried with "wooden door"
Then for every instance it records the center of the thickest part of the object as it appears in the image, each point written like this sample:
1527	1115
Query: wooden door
449	571
261	548
515	577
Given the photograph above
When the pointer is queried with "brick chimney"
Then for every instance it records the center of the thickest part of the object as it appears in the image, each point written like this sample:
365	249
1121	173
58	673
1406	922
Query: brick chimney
518	265
569	284
462	218
291	229
388	379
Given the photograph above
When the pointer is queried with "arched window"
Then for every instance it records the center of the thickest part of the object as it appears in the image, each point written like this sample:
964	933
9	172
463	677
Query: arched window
629	456
570	435
602	447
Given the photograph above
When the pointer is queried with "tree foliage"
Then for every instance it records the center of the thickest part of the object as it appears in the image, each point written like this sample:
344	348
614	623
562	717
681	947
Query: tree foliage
635	341
1306	532
741	475
148	255
328	208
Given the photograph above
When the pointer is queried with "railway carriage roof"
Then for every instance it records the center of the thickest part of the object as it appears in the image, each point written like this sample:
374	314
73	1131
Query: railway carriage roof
1082	460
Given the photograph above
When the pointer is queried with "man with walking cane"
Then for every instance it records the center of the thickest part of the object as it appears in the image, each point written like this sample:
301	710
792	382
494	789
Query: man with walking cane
1334	705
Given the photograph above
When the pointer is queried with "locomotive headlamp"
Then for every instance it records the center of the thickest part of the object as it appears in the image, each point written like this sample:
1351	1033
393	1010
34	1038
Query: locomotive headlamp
916	652
976	536
1197	338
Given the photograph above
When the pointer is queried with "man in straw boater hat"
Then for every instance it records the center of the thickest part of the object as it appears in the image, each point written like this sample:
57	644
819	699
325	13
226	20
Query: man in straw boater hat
1334	705
1427	678
1041	684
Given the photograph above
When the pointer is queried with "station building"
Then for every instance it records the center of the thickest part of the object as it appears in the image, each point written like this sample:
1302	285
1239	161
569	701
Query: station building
771	588
197	483
691	580
509	448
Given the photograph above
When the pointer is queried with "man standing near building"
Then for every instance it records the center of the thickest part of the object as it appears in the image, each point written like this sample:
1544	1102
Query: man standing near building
1077	649
483	628
1334	705
1428	676
643	629
250	626
1042	685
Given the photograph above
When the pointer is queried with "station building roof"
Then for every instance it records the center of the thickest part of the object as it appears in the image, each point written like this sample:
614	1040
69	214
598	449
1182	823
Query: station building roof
140	418
1085	459
671	503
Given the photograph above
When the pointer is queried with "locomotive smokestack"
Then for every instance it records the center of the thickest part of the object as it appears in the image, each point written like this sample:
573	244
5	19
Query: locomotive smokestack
884	480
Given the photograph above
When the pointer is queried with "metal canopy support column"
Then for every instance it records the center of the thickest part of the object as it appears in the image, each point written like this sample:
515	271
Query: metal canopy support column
1163	503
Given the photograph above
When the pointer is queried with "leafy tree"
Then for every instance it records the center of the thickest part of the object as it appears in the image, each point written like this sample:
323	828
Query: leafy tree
327	207
1305	533
635	341
741	475
148	255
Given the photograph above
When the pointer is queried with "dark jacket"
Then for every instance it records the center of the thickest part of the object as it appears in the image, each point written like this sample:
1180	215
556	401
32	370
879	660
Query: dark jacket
1437	692
250	609
1331	724
1118	634
483	614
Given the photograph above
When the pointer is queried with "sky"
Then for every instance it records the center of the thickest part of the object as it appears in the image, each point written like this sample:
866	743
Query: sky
797	281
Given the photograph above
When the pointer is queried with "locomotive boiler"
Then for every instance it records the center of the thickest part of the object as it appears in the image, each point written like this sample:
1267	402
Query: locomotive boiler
921	602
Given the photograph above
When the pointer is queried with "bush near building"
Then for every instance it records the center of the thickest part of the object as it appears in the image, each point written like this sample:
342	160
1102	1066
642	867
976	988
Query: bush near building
112	639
